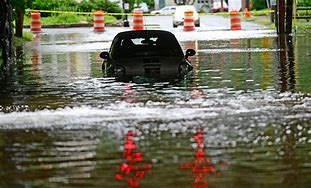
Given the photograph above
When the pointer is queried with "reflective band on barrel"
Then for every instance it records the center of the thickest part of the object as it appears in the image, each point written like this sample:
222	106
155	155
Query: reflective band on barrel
99	21
35	24
98	18
138	20
188	21
235	20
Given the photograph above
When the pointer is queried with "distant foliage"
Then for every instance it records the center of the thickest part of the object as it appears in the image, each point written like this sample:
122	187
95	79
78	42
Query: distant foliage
304	3
259	4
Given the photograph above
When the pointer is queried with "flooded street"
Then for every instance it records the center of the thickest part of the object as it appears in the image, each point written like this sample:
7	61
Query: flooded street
243	119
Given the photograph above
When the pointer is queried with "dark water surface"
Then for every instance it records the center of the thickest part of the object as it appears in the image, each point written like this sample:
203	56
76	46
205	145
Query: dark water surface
242	120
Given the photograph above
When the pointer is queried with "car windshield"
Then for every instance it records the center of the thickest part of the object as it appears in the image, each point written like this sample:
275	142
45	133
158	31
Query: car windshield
145	44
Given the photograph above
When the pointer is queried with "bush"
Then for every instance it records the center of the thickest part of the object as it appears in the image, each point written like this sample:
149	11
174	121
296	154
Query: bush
73	6
90	6
64	5
68	5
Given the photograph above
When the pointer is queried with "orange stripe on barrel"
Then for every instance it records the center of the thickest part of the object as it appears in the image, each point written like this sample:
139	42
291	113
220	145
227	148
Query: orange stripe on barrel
235	20
35	24
188	21
138	20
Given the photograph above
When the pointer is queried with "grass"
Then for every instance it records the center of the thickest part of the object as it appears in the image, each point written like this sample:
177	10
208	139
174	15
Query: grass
264	12
27	36
58	19
303	25
1	62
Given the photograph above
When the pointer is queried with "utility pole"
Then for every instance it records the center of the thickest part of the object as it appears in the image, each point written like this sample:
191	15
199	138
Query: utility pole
281	16
289	16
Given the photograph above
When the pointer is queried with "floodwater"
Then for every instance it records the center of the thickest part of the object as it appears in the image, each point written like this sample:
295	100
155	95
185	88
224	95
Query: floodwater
242	120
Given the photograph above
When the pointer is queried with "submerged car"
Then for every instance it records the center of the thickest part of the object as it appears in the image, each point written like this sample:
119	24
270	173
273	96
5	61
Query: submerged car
169	10
147	53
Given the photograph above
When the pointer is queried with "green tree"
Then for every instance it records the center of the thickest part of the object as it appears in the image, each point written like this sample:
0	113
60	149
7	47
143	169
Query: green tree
259	4
19	7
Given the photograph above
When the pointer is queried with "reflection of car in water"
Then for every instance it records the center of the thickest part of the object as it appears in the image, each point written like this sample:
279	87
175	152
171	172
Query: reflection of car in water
147	53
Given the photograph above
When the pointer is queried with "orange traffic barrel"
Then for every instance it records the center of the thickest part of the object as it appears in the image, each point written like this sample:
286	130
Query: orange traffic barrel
188	21
235	19
35	25
99	21
247	14
138	20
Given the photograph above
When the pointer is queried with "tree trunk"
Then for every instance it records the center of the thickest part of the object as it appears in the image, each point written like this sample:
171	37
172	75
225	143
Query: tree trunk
6	36
19	23
281	16
247	4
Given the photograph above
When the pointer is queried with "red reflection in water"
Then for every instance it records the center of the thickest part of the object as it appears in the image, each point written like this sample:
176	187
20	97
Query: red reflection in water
130	93
36	54
197	94
133	168
201	166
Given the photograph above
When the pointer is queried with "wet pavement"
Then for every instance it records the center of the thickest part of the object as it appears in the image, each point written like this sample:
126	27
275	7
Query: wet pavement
242	120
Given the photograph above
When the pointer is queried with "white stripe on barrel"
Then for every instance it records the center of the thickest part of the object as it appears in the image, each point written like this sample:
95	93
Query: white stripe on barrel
188	21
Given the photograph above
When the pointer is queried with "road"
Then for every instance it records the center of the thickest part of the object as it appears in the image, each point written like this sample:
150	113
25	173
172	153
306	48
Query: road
84	39
243	118
208	22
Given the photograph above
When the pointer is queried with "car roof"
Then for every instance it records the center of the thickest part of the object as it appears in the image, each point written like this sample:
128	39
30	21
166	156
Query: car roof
144	33
164	39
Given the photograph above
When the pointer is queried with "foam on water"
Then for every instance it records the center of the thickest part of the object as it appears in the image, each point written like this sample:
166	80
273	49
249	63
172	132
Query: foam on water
237	50
257	109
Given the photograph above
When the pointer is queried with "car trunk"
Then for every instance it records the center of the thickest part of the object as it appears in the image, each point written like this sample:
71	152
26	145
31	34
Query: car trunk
153	65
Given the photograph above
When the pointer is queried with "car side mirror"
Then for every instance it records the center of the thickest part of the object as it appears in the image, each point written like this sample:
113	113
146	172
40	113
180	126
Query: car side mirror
190	52
104	55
